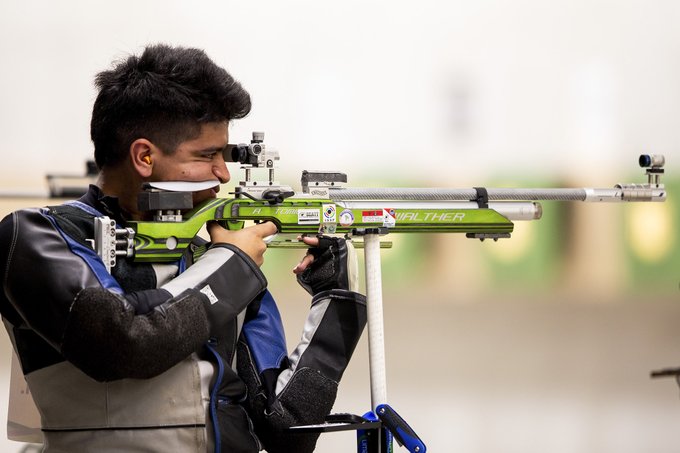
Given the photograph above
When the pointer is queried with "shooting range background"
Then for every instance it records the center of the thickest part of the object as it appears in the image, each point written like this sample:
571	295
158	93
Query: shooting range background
540	343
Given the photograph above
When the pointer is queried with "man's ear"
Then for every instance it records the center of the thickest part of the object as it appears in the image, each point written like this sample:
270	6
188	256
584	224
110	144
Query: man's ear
142	153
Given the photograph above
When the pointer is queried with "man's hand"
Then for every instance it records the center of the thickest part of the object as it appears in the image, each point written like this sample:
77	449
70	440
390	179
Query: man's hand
250	240
311	241
330	264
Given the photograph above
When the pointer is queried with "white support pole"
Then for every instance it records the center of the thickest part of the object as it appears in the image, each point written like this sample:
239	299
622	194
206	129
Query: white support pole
374	305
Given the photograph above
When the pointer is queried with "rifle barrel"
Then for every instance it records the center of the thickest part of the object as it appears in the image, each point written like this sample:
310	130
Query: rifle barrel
626	192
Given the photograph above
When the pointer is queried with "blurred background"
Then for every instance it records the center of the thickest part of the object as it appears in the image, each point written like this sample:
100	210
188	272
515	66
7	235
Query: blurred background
543	342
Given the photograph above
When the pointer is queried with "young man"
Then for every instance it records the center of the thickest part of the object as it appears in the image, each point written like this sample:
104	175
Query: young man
188	357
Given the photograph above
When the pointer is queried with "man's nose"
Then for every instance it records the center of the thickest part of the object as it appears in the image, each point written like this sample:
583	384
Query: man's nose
220	169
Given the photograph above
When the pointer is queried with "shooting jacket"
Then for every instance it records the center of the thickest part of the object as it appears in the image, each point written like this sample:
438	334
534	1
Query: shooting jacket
145	359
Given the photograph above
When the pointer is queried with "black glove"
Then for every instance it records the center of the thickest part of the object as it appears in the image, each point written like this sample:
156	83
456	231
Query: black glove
334	267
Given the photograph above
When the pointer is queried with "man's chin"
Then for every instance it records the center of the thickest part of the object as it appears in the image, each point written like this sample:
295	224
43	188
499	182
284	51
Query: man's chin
203	195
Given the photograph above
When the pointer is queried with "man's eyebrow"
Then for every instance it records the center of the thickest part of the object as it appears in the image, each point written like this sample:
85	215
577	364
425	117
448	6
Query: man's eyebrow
211	149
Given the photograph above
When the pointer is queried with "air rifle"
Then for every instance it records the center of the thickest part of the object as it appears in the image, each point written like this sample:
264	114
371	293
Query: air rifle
325	206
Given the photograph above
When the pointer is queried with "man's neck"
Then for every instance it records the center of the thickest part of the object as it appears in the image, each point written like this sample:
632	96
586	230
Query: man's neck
124	187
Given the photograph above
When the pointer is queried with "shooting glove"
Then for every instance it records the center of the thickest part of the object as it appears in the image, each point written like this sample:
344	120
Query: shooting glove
334	267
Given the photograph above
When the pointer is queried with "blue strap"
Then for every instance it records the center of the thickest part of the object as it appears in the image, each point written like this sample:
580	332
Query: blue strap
265	335
214	397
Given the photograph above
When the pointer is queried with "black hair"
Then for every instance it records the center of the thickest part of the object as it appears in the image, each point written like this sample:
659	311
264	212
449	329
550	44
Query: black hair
163	95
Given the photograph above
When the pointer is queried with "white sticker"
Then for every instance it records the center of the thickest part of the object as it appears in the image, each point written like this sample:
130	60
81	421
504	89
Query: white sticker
207	290
329	214
389	218
346	218
309	216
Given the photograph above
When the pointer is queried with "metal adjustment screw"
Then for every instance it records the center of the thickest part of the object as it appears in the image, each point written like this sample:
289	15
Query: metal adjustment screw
258	137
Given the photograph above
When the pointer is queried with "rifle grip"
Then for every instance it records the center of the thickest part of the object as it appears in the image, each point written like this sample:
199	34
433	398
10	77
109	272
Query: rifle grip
231	224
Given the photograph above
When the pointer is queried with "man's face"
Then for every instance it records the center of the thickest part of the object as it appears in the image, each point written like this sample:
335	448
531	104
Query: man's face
198	159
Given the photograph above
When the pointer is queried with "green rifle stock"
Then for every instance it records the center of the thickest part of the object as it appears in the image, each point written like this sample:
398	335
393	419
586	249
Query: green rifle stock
157	241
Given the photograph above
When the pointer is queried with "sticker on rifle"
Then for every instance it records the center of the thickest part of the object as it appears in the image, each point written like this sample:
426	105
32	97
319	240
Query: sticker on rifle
385	217
372	216
329	214
389	218
309	216
346	218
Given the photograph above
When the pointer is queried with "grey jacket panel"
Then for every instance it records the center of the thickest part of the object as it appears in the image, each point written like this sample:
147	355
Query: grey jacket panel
70	400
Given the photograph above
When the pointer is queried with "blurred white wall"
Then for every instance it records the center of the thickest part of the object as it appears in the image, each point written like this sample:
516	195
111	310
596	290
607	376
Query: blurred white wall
444	91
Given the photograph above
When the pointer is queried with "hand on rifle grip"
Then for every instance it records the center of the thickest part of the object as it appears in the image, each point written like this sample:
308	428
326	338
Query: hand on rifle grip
251	240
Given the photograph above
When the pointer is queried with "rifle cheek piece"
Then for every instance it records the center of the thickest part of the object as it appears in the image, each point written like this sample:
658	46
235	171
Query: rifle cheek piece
149	200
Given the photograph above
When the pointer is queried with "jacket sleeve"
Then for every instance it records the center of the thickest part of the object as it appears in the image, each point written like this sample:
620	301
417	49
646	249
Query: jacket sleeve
299	389
62	291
